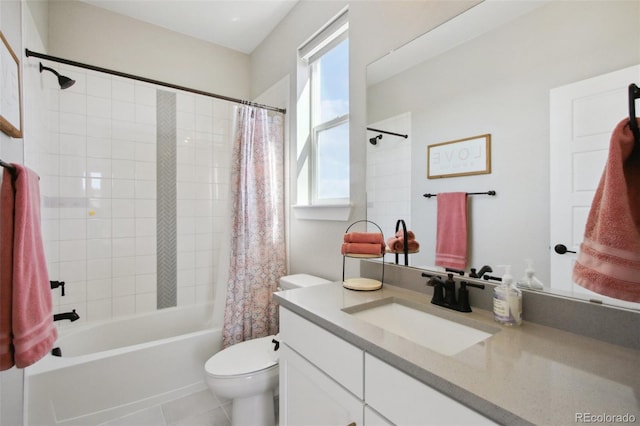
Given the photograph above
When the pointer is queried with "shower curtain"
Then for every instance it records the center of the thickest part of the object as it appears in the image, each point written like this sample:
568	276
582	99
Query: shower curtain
257	255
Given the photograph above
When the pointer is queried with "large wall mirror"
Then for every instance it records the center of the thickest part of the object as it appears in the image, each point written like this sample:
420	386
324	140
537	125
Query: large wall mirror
495	69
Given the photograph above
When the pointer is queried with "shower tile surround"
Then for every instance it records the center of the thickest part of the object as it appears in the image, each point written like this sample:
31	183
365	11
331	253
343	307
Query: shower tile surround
105	194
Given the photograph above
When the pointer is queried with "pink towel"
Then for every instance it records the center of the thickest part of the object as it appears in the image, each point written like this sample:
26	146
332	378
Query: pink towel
364	237
396	243
451	235
27	332
410	235
363	248
609	258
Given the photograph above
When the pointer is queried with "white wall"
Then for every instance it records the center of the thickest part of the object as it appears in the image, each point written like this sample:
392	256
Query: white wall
500	84
88	34
375	28
389	176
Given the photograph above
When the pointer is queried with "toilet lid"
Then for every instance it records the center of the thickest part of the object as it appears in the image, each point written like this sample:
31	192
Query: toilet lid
243	358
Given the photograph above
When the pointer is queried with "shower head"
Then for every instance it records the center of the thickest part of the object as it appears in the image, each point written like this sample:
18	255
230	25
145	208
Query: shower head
65	82
374	140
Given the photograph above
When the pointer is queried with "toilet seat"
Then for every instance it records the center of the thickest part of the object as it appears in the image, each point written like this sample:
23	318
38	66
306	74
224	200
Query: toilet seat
245	358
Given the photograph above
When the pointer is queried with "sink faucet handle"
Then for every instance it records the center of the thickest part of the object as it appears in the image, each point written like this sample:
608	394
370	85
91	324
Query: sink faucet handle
463	295
450	290
455	271
438	286
463	284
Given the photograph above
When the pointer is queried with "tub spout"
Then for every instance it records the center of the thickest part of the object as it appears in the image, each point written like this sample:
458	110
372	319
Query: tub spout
71	316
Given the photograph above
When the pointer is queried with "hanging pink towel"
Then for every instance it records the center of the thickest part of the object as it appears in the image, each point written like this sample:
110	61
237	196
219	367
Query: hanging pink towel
6	271
451	234
27	332
609	258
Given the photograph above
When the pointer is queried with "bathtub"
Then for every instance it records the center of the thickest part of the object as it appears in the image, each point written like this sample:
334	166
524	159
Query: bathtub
114	368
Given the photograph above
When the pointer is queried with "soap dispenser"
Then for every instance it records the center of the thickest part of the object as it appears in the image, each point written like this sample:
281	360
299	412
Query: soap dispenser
507	300
530	281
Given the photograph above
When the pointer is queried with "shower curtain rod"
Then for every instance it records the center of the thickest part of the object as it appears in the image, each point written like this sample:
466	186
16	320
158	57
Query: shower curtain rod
402	135
148	80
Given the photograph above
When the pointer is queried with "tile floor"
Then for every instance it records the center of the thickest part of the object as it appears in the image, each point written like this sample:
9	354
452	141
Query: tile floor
198	409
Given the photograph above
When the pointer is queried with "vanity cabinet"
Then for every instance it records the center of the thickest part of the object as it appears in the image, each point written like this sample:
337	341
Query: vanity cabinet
321	375
310	397
406	401
327	380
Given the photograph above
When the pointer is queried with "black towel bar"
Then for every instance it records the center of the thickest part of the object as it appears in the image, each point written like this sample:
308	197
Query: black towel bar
468	193
9	167
634	93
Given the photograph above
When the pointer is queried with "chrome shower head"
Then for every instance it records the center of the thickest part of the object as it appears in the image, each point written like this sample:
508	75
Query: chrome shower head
64	82
374	140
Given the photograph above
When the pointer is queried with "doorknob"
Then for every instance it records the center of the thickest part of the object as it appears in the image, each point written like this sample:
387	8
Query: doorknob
562	249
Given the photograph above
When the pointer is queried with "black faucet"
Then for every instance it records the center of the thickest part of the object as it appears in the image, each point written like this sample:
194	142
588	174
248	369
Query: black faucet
71	316
450	291
448	299
481	272
455	271
463	295
438	286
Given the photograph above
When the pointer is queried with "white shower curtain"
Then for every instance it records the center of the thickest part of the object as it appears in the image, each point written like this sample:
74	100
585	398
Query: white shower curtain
257	252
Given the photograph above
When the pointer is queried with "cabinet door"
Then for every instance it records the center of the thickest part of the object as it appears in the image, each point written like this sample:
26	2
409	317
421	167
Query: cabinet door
406	401
309	397
339	359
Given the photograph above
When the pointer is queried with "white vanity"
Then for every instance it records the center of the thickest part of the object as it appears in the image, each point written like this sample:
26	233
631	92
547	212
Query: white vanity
324	380
338	368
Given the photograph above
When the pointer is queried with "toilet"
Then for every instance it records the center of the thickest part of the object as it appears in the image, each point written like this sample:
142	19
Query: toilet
247	372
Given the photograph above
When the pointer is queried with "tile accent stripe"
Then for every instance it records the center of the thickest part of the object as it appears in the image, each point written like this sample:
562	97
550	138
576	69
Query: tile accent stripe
167	251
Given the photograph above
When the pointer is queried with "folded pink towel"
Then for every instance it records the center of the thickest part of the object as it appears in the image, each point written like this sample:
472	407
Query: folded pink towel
451	234
27	333
363	248
397	244
364	237
609	259
410	235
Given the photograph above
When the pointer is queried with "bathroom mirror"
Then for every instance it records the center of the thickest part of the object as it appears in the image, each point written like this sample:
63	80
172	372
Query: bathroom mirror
490	71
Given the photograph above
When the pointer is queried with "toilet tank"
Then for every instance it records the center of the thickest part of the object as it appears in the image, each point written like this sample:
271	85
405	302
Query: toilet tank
300	280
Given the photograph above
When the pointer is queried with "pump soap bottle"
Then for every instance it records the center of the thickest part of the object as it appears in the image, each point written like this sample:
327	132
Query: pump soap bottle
507	300
530	281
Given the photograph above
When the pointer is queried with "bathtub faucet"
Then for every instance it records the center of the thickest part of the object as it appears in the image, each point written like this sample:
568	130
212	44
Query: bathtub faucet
71	316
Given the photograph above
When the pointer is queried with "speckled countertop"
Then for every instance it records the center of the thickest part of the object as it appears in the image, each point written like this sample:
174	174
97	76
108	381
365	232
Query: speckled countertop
529	374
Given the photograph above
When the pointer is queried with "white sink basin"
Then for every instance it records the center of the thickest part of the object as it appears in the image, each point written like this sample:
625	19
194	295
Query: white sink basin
412	322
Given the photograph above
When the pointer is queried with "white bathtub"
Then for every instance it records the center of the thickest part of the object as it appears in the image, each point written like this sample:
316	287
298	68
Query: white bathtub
114	368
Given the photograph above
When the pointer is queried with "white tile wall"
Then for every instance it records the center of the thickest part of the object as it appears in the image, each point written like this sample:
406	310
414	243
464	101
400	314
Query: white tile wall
389	175
98	183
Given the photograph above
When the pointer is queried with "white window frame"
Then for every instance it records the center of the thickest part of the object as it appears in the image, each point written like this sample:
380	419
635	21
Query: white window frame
335	32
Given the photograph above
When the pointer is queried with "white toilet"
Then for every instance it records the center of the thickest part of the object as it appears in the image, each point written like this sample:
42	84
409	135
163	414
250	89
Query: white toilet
247	372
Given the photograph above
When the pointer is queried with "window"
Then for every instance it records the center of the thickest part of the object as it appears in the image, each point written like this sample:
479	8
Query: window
326	61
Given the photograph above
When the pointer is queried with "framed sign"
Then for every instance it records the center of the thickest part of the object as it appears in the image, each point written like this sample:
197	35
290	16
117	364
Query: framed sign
10	96
462	157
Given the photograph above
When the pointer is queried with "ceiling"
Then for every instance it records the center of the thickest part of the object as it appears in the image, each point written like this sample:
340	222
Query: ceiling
236	24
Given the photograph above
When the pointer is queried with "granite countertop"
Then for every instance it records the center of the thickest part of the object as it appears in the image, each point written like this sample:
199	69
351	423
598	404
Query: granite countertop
531	374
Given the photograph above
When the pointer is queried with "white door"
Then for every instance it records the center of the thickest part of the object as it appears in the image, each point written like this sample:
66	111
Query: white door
583	116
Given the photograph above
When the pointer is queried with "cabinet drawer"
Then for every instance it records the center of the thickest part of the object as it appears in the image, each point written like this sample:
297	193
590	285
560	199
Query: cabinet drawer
407	401
339	359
